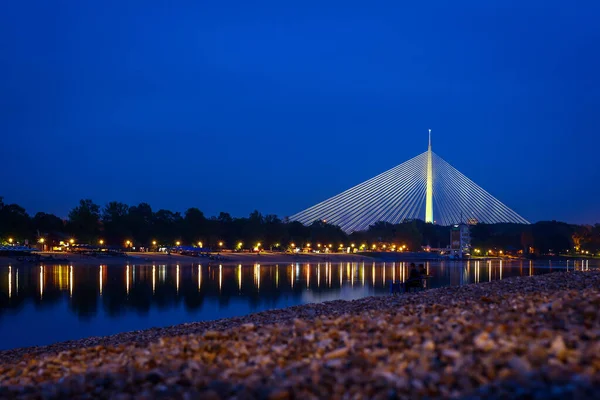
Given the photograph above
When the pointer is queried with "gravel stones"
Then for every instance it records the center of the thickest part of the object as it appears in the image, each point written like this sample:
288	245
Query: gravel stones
534	337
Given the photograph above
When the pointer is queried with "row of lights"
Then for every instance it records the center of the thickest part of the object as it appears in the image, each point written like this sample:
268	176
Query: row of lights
362	246
478	251
128	243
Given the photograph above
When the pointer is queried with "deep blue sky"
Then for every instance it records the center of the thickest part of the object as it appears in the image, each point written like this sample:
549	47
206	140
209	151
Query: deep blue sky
237	105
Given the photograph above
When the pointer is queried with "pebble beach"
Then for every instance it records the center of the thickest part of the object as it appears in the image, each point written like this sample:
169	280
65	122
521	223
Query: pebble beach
530	337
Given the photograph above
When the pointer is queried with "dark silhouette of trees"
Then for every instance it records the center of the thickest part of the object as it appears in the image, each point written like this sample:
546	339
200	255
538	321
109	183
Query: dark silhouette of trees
47	224
84	221
117	222
552	237
194	226
14	221
140	220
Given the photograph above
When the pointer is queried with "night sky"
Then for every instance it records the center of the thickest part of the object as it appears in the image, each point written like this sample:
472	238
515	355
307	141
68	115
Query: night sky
237	105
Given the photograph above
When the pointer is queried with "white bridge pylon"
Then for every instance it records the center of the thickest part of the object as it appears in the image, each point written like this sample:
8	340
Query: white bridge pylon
425	187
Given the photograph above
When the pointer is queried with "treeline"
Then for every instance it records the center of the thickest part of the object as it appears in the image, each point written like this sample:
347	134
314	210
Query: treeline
116	223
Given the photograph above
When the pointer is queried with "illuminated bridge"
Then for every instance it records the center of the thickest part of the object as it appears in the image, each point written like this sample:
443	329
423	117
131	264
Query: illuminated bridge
424	187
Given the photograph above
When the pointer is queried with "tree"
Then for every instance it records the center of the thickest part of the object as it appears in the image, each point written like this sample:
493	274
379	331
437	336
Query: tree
44	223
194	225
14	222
115	220
165	226
323	233
84	221
140	223
552	237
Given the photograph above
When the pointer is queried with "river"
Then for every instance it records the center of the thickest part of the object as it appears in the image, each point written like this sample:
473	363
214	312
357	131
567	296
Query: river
41	305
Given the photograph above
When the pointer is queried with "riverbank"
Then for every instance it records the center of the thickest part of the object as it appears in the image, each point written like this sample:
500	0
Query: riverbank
175	259
265	258
517	336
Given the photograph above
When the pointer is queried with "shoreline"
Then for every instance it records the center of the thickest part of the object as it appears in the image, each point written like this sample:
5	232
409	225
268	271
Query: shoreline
174	259
267	258
522	326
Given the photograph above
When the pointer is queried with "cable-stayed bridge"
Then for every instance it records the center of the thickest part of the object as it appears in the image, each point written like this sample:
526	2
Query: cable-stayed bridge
424	187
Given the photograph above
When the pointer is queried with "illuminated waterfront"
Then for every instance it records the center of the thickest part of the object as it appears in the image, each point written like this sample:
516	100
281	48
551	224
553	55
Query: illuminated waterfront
45	304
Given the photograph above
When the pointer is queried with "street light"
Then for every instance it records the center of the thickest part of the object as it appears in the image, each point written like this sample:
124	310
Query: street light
199	244
101	242
72	241
10	240
128	243
154	243
42	240
178	243
220	244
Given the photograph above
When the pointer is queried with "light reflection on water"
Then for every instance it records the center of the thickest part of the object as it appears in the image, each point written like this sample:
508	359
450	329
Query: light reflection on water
45	304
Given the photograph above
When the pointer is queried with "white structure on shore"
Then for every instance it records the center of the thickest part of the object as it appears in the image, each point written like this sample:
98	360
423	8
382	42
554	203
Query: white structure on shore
410	191
460	241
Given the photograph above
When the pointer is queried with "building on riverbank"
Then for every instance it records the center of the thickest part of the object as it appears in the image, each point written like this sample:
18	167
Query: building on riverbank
460	241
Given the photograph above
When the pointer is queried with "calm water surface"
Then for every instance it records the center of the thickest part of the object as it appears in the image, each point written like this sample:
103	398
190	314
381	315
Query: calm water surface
47	304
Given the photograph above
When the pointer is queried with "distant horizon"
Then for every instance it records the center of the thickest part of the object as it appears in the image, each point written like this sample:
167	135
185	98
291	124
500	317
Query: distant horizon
209	215
64	214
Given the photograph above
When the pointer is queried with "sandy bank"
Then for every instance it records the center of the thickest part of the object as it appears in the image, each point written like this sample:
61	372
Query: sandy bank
503	339
173	259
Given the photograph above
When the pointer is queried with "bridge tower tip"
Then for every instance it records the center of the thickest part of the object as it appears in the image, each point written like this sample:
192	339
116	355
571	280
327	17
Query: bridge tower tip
430	139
